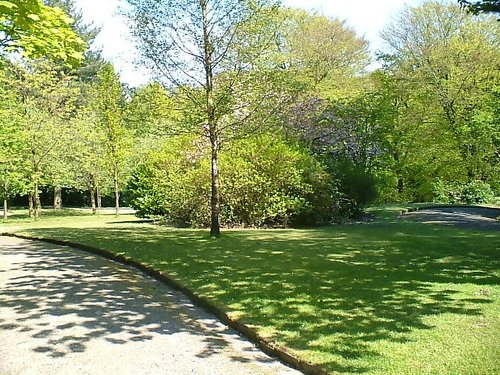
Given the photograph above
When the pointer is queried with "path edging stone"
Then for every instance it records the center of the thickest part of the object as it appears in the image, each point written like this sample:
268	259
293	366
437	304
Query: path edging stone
251	334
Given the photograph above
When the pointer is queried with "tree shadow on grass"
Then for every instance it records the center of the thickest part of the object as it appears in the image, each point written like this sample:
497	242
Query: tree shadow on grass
329	292
63	300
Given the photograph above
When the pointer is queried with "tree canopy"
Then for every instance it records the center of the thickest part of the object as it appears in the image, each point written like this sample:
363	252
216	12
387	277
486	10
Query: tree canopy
259	115
36	30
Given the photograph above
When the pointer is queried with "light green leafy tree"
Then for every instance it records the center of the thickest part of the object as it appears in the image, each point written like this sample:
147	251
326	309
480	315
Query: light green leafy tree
12	142
327	54
47	98
36	30
87	166
196	47
448	60
108	105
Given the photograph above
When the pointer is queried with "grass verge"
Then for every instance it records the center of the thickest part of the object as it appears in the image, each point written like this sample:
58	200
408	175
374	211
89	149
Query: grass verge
389	297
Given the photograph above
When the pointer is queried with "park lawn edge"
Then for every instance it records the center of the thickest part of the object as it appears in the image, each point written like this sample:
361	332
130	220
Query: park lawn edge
270	348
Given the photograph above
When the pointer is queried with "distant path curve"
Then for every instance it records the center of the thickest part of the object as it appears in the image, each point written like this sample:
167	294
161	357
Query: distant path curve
64	311
483	218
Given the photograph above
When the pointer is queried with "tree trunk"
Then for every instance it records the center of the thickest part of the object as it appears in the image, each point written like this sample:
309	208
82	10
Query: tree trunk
400	185
93	192
57	197
36	201
117	192
99	200
215	198
5	195
5	207
92	200
211	122
30	205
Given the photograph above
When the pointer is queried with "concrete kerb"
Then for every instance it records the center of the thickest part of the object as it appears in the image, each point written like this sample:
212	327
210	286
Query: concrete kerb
251	334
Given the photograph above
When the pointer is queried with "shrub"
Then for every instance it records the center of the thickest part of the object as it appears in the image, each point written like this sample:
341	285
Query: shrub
446	192
356	186
172	184
477	192
473	192
264	181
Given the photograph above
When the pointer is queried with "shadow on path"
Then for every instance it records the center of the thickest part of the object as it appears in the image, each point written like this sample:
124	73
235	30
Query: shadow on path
482	218
64	301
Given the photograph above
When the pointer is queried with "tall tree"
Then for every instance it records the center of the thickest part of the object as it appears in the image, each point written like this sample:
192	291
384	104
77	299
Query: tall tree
92	57
450	59
326	52
108	107
47	97
196	45
12	140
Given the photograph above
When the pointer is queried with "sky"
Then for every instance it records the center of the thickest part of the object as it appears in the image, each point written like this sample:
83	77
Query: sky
366	17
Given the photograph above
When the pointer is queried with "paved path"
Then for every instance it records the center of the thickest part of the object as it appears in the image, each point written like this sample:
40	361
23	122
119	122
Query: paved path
63	311
483	218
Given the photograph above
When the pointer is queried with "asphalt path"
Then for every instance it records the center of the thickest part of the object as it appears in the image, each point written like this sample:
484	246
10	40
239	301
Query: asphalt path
64	311
483	218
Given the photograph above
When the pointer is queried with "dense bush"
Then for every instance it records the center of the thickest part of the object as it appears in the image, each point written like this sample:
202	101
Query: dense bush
356	186
173	184
473	192
264	181
477	192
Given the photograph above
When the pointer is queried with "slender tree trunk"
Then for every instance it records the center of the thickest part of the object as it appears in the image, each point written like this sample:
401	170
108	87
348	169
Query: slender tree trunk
31	212
57	197
5	195
398	173
92	200
35	197
215	198
93	193
212	123
99	200
36	201
117	192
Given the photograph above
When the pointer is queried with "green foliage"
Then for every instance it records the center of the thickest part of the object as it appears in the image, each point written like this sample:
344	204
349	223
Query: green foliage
267	182
482	6
37	30
444	67
45	97
477	192
325	53
173	184
446	192
13	143
108	107
150	111
472	192
264	182
356	185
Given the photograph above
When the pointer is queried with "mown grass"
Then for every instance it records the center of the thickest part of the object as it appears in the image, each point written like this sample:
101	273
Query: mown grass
388	297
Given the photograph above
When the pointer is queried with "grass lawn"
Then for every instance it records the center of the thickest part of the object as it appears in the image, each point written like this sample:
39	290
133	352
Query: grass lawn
388	297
